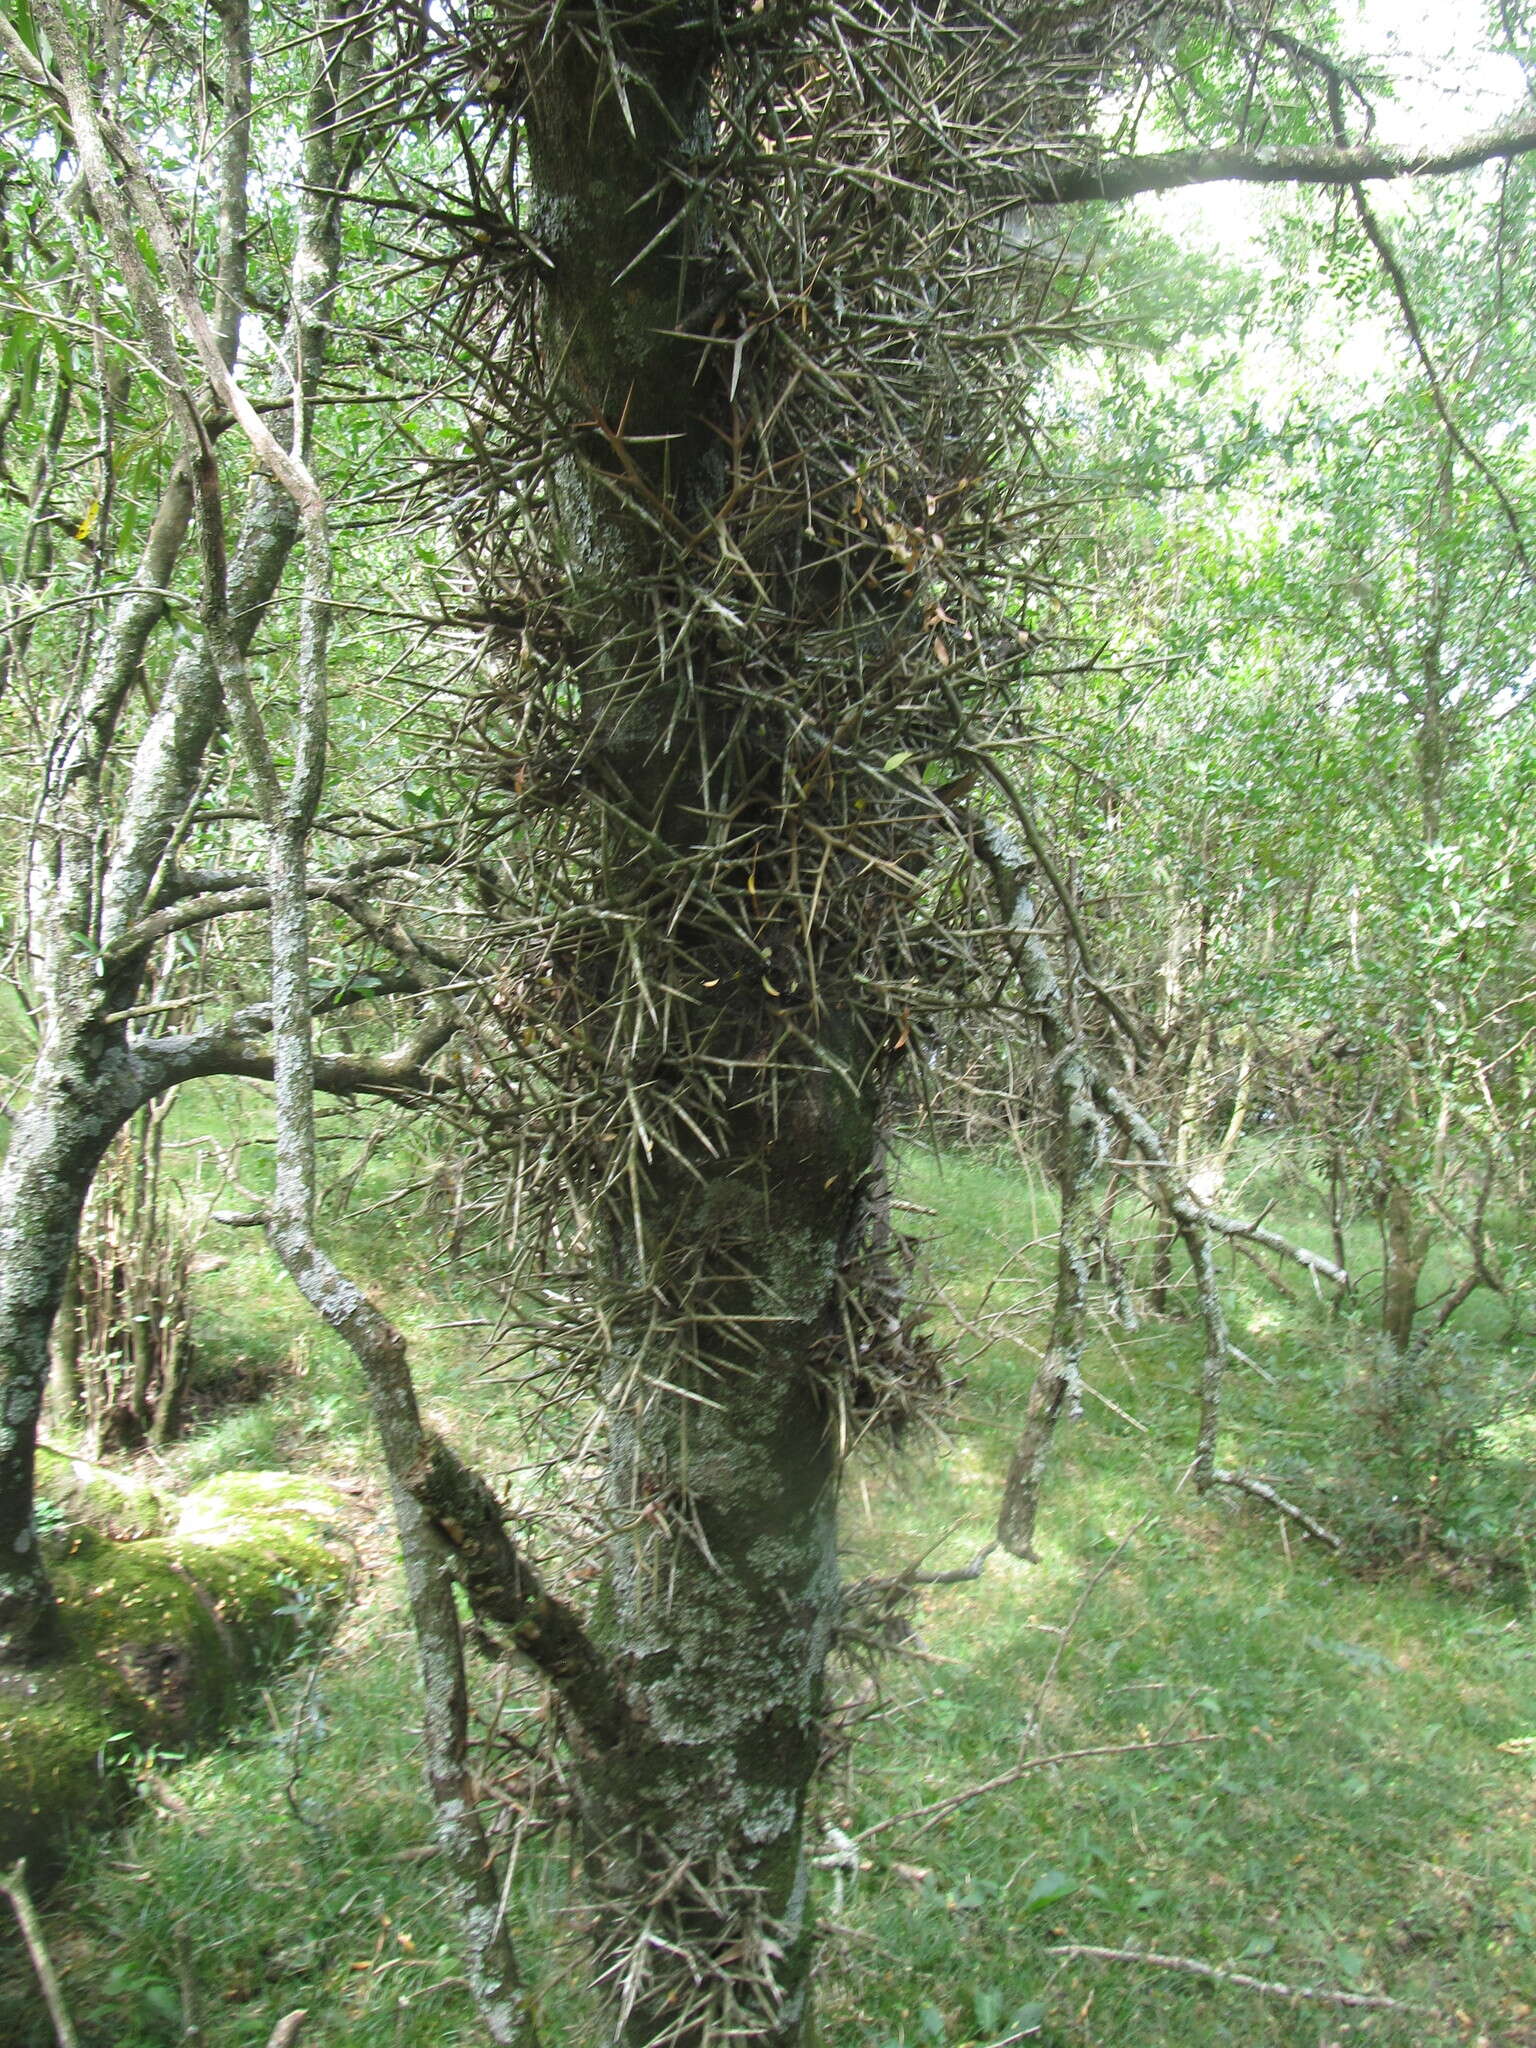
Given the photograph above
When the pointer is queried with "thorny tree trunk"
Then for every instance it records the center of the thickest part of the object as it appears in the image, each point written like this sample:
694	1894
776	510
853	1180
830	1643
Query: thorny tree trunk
722	1585
722	1592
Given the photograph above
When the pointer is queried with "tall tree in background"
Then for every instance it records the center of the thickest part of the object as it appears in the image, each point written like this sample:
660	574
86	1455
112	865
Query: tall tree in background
135	849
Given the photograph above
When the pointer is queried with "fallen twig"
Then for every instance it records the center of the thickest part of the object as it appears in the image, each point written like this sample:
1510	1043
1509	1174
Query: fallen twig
193	2027
14	1885
1253	1365
288	2029
1032	1720
925	1816
1318	1994
1261	1489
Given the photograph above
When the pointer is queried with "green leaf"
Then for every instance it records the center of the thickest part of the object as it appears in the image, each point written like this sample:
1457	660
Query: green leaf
1048	1889
20	13
988	2008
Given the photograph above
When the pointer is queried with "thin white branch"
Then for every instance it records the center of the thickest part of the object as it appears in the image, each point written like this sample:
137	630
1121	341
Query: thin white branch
1315	1993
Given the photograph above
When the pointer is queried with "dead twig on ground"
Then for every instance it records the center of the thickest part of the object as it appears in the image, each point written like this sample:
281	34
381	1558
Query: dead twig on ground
925	1816
1246	1482
14	1885
1317	1994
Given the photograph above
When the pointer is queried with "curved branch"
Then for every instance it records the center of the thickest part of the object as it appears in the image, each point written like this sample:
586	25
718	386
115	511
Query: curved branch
234	1053
1174	170
234	895
1272	1241
506	1593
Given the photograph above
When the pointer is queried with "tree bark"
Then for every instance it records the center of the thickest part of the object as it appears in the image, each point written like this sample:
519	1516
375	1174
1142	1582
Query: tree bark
85	1089
91	1075
1078	1148
721	1586
1407	1245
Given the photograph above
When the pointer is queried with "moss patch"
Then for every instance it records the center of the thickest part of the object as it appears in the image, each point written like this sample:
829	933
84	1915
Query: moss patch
160	1637
74	1495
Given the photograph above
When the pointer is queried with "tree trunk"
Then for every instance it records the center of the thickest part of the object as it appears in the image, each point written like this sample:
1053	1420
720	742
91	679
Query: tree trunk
86	1087
1077	1148
1056	1384
1338	1183
1407	1245
717	1256
719	1603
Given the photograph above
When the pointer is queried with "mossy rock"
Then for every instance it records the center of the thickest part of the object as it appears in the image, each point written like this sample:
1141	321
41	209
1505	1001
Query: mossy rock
75	1493
159	1638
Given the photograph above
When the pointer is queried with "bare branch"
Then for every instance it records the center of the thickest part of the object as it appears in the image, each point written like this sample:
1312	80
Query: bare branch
1175	170
234	238
1317	1994
1245	1482
1272	1241
402	1075
14	1885
235	896
507	1594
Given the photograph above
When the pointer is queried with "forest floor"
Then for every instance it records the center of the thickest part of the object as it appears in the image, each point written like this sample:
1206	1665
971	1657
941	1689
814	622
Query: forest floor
1314	1777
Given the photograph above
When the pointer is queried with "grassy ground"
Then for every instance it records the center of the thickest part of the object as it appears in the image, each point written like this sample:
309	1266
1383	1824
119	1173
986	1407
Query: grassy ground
1363	1816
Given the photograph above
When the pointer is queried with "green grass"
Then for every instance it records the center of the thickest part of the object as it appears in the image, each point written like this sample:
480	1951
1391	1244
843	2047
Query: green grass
1364	1818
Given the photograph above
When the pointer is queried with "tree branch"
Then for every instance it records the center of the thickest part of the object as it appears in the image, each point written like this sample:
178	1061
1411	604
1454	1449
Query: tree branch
507	1594
402	1075
1318	1994
235	895
1260	1489
1175	170
379	1348
14	1886
1272	1241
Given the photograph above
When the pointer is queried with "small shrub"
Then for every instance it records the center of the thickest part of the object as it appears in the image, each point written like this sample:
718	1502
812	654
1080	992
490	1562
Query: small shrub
1433	1458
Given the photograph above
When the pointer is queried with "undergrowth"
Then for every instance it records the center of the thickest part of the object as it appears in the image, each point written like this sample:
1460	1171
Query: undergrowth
1348	1798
